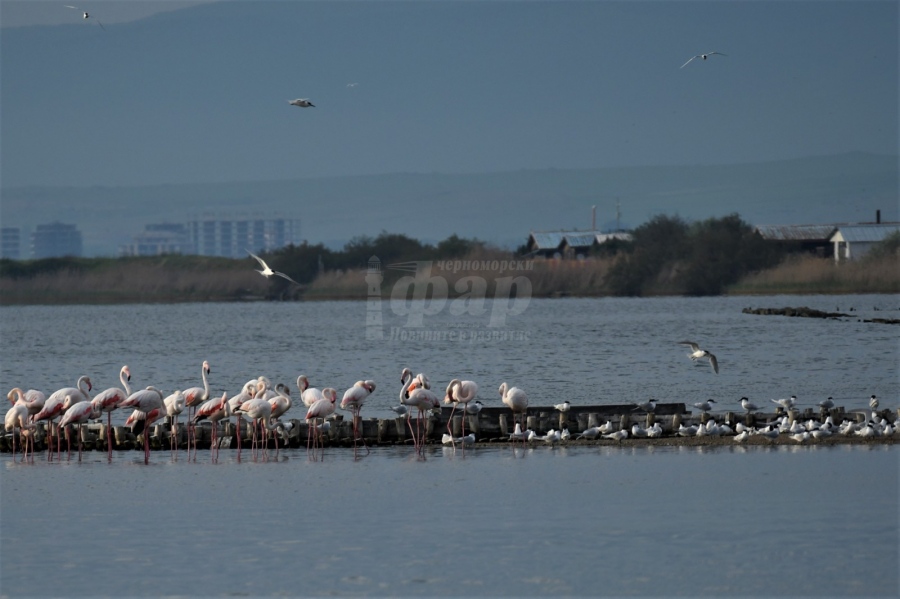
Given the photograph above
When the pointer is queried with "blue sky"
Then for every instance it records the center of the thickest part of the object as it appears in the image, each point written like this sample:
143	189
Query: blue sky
199	94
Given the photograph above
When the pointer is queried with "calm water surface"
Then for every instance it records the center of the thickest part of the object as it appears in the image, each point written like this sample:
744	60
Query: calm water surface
497	522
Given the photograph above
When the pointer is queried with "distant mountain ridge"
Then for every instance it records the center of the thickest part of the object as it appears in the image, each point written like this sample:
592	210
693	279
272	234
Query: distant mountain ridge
500	207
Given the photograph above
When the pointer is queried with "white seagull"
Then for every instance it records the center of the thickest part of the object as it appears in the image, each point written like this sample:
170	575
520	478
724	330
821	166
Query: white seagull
787	404
86	15
703	56
873	402
697	353
827	403
302	103
268	272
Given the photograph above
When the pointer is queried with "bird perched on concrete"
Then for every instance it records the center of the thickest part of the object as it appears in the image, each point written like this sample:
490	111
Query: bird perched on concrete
647	406
563	407
697	354
704	406
474	407
873	402
302	103
827	403
400	410
787	404
747	405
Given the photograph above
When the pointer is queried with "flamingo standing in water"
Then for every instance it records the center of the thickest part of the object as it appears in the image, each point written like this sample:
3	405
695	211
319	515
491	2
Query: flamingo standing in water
214	410
260	410
17	418
78	413
247	393
516	400
148	408
459	392
421	398
109	400
353	400
193	397
321	409
55	405
175	404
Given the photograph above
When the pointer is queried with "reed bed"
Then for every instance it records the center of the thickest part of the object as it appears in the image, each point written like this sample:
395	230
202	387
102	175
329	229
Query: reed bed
810	274
125	282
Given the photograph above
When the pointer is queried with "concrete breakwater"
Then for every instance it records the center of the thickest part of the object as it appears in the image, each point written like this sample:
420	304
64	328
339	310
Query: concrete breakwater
493	425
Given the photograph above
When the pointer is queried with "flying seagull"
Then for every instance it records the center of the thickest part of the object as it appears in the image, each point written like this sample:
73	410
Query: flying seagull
301	102
703	56
268	272
698	353
87	15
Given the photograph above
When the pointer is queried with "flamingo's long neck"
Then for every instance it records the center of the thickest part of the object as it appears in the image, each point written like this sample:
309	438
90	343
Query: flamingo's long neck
205	384
82	386
124	381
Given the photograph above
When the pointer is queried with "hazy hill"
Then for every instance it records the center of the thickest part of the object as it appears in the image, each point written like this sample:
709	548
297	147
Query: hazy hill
498	207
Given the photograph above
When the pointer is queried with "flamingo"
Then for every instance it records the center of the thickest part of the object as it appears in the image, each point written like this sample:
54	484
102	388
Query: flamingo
214	410
308	395
175	404
321	409
516	400
459	392
17	418
149	402
353	400
260	410
282	402
247	393
109	400
421	398
140	422
55	404
193	397
78	413
31	399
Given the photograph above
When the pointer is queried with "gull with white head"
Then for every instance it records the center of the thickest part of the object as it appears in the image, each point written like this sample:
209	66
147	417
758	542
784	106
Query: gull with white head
268	272
697	354
302	103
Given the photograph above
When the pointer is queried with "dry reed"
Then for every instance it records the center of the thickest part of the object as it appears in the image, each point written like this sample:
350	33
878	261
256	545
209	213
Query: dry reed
810	274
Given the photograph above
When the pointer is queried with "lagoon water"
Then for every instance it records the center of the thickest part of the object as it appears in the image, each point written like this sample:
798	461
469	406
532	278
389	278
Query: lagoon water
498	521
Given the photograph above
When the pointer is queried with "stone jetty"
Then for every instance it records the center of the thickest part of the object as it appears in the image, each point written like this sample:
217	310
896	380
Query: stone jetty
494	425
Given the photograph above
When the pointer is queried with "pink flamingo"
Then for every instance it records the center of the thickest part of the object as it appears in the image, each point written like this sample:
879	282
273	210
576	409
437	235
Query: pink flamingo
308	395
214	410
321	409
109	400
175	404
140	422
260	411
421	398
353	400
78	413
246	394
193	397
149	402
55	405
517	401
31	399
459	392
17	418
